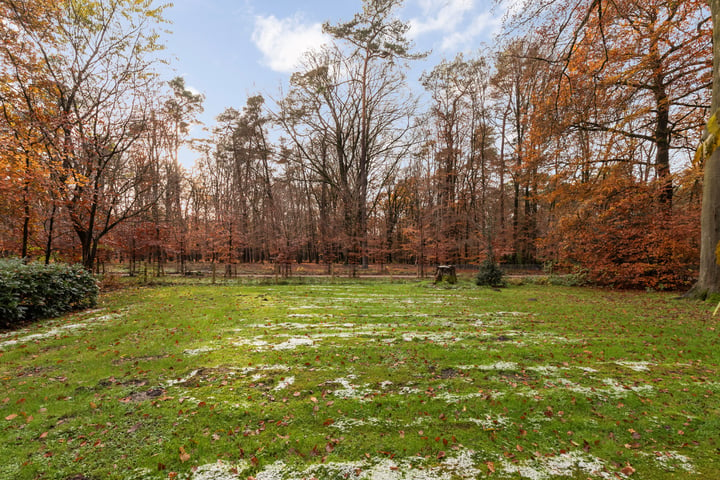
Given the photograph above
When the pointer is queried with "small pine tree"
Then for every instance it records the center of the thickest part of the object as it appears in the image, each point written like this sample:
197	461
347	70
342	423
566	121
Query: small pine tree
490	275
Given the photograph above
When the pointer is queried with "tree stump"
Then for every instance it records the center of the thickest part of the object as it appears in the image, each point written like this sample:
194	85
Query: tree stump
445	272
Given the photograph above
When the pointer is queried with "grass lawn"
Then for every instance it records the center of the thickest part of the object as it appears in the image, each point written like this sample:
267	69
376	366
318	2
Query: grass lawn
365	380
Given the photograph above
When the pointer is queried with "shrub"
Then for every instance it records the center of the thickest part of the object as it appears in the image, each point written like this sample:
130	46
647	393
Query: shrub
490	274
577	279
623	237
32	291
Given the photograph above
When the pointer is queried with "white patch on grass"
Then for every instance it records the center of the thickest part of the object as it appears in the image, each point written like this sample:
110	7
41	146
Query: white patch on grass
348	389
334	470
345	424
431	337
490	423
290	344
587	369
285	383
293	343
408	390
501	314
617	389
396	470
255	342
673	461
565	465
275	471
636	366
318	307
494	366
459	466
235	371
548	370
182	380
273	326
218	471
612	388
58	331
198	351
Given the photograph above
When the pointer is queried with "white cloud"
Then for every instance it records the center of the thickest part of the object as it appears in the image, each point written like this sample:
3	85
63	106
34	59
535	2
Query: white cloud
484	23
456	24
440	16
284	41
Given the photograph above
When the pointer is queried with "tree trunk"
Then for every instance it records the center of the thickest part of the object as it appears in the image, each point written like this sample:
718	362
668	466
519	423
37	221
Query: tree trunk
709	279
48	244
88	259
26	212
662	144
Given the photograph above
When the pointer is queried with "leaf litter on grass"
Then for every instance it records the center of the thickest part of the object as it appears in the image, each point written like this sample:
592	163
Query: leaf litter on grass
382	386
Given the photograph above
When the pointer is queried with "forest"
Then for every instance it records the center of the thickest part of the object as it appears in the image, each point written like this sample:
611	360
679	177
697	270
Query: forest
571	142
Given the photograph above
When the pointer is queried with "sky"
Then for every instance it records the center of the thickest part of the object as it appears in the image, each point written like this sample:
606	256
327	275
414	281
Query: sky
231	49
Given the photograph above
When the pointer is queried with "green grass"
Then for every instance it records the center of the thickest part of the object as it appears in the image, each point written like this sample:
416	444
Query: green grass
364	380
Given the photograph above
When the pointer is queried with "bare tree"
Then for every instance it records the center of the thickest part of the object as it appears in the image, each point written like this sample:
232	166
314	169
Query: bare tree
95	66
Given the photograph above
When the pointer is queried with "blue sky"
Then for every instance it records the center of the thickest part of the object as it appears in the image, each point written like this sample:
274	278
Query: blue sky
229	49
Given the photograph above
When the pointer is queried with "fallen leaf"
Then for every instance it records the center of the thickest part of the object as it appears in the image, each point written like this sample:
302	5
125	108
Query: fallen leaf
12	416
184	456
628	470
490	466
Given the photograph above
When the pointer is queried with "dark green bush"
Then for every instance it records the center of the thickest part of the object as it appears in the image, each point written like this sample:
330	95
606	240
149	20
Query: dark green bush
490	275
32	291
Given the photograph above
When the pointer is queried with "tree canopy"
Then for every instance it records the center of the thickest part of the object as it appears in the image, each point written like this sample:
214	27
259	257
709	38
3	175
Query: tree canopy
571	142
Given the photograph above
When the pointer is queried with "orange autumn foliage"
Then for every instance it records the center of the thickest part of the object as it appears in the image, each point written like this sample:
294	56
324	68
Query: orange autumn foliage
617	232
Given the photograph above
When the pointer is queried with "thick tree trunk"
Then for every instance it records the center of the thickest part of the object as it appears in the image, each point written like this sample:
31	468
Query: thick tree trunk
86	244
709	279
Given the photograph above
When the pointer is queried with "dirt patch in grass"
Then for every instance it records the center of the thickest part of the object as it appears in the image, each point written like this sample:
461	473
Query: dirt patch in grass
139	397
446	373
205	375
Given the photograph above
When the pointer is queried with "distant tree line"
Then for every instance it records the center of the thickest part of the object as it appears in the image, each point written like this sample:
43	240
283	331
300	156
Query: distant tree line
571	142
